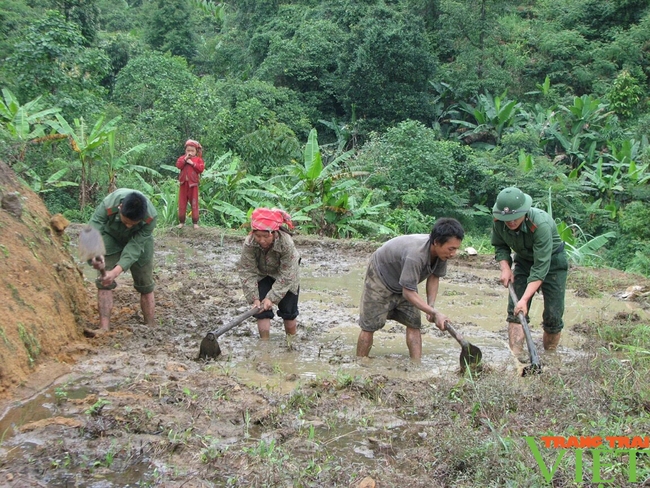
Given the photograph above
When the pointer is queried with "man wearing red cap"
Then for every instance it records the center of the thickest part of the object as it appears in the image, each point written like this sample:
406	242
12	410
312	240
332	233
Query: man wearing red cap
191	165
269	269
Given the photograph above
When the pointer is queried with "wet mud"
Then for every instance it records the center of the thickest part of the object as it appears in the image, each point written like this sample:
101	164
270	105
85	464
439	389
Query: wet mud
138	409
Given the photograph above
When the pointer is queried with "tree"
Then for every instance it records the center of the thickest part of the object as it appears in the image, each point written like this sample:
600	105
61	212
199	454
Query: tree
409	162
253	132
150	78
385	70
305	60
170	29
84	13
330	199
51	61
14	16
479	45
85	144
23	124
116	163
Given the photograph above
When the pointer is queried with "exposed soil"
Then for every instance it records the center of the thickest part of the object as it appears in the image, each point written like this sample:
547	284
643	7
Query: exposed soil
43	299
136	408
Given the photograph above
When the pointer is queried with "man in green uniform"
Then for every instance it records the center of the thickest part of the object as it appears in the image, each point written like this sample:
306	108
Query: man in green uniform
126	220
540	262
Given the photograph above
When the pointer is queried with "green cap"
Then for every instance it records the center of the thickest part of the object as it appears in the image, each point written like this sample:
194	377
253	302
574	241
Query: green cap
511	204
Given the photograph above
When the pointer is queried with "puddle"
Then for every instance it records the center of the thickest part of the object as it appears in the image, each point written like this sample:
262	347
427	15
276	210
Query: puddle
475	302
43	406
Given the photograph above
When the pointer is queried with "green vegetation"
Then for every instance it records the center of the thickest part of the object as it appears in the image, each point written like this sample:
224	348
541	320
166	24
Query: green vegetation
363	119
96	408
30	341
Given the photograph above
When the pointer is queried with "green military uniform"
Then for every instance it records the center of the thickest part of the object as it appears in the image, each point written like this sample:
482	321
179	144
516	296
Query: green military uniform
131	248
539	255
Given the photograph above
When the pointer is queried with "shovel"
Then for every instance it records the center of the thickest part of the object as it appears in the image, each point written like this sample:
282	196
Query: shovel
91	246
470	355
210	347
535	366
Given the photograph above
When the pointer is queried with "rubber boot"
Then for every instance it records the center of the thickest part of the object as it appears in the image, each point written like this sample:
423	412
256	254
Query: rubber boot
551	341
516	341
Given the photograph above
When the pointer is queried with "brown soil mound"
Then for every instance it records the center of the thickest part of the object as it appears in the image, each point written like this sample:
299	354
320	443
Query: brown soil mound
43	300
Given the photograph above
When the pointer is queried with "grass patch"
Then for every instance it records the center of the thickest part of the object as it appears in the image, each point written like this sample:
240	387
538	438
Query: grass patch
30	341
6	340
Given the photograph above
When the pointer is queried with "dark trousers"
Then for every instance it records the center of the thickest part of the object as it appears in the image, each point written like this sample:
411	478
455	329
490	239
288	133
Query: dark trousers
288	306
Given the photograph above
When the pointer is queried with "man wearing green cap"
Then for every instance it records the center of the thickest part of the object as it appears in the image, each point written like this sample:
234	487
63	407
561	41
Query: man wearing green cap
539	262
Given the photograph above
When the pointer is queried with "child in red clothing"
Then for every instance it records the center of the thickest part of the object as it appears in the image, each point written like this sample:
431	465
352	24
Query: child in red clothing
191	165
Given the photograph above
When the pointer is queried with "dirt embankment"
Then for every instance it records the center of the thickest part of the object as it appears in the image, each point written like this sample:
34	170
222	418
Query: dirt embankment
43	299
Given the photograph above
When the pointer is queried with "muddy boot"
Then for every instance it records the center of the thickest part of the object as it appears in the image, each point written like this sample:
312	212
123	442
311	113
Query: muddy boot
551	357
551	341
516	341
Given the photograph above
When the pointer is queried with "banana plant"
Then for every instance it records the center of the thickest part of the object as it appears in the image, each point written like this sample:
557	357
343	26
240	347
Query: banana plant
578	132
614	173
329	199
581	248
626	156
23	123
55	180
86	144
119	163
493	115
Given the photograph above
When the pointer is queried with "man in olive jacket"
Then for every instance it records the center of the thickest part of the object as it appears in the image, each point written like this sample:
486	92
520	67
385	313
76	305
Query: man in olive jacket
539	262
126	220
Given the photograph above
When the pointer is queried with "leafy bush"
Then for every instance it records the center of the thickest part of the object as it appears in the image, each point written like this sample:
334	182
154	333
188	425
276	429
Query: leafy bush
409	157
634	220
409	221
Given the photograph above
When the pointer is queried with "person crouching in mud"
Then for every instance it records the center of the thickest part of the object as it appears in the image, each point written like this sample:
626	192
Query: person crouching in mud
269	270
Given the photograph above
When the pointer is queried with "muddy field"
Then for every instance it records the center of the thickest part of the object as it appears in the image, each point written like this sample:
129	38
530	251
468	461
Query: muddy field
138	409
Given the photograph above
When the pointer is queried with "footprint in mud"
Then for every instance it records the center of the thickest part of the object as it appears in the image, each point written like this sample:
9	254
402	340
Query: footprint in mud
264	368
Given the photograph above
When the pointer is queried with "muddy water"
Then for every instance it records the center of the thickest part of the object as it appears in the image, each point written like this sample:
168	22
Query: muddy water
330	293
474	301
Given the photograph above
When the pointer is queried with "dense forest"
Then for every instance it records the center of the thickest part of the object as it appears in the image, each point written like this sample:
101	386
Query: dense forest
362	118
